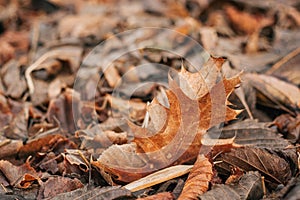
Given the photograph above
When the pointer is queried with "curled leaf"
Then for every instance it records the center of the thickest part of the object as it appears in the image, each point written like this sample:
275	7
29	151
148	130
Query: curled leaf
198	180
19	176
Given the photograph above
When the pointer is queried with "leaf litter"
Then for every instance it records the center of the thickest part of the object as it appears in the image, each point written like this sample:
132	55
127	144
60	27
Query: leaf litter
195	137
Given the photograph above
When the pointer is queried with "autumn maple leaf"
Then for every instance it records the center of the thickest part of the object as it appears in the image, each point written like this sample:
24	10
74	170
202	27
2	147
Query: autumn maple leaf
197	101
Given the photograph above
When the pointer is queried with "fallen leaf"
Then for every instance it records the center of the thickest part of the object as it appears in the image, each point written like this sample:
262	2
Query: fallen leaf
280	94
57	185
198	179
75	161
250	133
11	43
287	68
95	138
19	176
65	109
17	128
235	176
246	22
14	82
9	148
195	106
249	187
113	192
112	76
169	8
289	126
275	169
7	52
5	110
50	163
50	142
135	110
86	25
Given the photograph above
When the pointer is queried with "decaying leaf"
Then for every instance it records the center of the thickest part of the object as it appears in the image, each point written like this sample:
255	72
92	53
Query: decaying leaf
274	168
196	103
12	71
251	133
96	139
45	144
86	25
114	192
280	94
9	147
136	109
57	185
289	126
249	187
198	179
246	22
19	176
287	68
65	109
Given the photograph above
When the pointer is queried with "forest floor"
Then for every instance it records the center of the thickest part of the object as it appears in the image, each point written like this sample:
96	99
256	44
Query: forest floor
160	99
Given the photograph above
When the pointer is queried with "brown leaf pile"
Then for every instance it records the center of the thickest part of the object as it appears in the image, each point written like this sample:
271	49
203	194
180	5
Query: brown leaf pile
87	106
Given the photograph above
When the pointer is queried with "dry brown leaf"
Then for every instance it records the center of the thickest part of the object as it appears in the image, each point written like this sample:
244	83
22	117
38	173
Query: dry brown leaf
112	192
137	109
194	106
65	109
160	196
73	161
170	8
198	179
57	185
278	92
45	144
246	22
287	68
86	25
250	133
12	42
289	126
9	147
248	187
102	139
112	76
14	82
19	176
275	169
7	52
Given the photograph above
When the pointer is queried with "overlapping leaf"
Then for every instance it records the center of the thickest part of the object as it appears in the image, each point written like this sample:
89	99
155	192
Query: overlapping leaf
198	180
249	187
196	103
276	169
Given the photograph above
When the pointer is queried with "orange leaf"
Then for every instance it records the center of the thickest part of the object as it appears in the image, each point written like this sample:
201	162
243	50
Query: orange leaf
246	22
198	180
197	102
